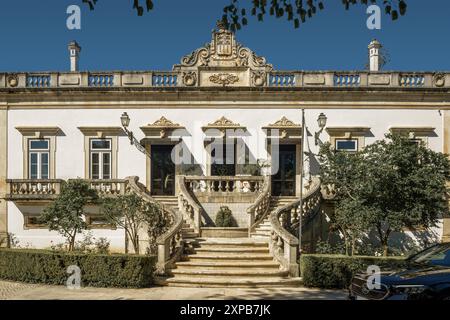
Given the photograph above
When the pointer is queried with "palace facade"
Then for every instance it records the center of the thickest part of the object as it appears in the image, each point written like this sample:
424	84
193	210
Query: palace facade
224	127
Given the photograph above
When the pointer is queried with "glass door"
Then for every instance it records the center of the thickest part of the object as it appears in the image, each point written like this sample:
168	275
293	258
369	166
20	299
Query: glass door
283	182
162	170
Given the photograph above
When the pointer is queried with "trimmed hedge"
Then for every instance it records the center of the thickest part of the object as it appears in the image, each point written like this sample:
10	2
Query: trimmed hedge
336	271
41	266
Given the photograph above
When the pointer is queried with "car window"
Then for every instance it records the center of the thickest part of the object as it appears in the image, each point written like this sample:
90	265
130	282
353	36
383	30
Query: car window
437	255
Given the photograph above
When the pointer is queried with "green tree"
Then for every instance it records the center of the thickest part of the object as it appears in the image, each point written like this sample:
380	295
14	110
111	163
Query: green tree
65	214
395	183
340	173
133	214
234	14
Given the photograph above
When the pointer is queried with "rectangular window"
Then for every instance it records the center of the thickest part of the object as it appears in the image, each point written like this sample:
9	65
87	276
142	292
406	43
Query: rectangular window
98	222
32	222
38	158
100	158
347	145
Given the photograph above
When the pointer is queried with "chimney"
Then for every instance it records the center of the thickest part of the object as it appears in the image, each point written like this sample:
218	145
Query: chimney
74	51
374	55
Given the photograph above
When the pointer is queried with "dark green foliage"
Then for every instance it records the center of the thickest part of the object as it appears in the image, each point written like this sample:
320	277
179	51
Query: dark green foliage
235	14
336	271
132	213
224	218
65	214
40	266
391	185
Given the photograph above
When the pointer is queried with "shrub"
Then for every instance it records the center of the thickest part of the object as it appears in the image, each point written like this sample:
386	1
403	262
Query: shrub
224	218
336	271
50	267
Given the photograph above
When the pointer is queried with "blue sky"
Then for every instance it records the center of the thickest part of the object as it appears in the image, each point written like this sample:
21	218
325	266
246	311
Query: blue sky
34	36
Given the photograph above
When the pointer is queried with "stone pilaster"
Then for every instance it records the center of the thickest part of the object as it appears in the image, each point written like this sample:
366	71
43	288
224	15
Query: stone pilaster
446	227
3	175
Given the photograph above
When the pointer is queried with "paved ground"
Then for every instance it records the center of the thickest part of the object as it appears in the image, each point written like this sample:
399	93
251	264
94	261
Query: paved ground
20	291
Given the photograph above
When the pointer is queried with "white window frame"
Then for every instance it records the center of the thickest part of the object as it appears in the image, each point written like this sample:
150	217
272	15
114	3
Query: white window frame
100	152
347	150
39	153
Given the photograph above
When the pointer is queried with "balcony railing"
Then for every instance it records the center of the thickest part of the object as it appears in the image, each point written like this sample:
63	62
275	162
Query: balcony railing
49	189
225	184
28	189
275	79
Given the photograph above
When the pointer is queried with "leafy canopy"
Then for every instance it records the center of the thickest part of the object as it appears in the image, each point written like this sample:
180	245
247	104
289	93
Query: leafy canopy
235	14
392	184
65	214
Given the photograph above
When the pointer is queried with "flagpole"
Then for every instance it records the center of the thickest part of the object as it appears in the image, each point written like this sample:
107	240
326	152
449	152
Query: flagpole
302	148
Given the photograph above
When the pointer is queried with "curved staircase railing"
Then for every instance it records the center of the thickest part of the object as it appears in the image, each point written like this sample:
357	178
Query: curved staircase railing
259	210
170	244
189	208
282	244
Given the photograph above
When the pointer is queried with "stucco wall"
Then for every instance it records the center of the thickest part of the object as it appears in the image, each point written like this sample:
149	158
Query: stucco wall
70	143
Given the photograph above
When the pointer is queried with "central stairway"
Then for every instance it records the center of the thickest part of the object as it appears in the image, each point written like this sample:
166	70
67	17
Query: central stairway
262	231
224	262
172	202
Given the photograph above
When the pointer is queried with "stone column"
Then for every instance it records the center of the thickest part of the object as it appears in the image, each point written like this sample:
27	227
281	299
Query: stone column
3	175
446	227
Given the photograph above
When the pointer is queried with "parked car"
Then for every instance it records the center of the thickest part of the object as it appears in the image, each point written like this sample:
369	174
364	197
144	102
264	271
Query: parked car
426	276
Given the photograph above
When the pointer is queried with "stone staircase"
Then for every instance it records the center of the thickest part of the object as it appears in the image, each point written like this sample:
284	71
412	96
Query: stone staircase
225	262
262	231
172	201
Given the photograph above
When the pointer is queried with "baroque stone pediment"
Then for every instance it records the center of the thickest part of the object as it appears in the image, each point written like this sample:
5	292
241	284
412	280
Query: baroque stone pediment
223	123
223	56
161	128
284	123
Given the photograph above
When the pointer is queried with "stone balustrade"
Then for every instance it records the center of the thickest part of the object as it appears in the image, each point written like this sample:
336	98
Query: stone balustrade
282	79
49	189
170	243
260	208
283	243
33	189
110	187
225	184
190	209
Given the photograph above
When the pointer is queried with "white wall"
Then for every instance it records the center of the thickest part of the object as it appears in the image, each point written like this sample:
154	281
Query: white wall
70	145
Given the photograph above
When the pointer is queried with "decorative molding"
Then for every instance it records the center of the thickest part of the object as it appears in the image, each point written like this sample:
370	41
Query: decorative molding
415	131
38	132
12	80
439	80
347	132
223	51
224	79
189	78
259	78
161	128
283	123
101	132
223	123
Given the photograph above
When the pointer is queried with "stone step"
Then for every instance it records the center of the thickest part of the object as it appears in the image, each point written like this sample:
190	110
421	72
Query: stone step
232	249
244	282
230	242
264	227
228	272
189	235
228	264
232	256
188	230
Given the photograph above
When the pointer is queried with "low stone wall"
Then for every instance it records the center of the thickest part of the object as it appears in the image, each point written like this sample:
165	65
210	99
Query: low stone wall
216	232
238	210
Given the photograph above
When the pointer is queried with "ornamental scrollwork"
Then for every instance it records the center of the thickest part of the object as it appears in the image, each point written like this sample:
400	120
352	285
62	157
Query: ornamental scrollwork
189	78
224	78
439	80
